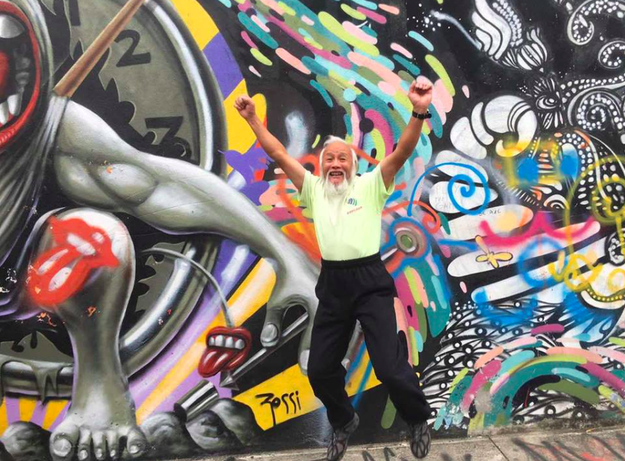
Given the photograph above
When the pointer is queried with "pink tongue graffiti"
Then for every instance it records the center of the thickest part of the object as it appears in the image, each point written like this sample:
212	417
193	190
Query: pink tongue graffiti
226	349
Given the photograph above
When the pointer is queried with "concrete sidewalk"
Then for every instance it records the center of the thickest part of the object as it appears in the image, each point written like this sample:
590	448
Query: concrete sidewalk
589	445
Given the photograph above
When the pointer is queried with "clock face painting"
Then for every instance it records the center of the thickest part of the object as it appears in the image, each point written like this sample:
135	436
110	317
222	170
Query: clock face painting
150	246
156	67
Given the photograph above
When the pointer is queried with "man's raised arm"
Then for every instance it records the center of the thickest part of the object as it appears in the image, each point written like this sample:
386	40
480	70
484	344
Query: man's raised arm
420	95
274	148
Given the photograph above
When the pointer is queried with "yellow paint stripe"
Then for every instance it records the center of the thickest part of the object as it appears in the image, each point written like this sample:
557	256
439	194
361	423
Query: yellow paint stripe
27	407
53	410
187	364
240	135
253	293
286	384
4	417
199	22
249	297
358	375
289	381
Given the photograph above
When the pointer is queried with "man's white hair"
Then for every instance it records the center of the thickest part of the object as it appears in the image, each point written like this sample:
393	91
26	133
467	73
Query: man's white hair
331	140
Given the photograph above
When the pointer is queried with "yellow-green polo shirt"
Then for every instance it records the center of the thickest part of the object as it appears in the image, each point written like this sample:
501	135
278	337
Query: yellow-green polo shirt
350	226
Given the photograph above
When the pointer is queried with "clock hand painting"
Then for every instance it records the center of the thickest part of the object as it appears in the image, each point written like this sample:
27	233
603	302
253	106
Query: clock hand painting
76	264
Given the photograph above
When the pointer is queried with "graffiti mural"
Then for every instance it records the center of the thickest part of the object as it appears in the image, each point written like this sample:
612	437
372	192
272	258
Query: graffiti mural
158	273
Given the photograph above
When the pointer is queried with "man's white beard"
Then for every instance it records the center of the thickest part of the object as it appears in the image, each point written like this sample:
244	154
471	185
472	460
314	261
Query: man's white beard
337	190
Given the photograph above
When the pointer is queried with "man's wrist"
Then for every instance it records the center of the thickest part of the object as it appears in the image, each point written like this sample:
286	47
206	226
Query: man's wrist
421	113
253	119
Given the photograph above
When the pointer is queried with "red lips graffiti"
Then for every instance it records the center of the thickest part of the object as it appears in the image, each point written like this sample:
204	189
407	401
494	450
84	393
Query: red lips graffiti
61	271
226	349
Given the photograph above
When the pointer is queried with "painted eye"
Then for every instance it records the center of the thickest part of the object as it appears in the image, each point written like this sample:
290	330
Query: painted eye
10	27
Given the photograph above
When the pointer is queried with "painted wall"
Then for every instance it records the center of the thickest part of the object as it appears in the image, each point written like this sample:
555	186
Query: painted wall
140	310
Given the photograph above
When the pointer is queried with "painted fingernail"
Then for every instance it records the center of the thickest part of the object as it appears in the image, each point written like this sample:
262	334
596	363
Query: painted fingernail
270	333
62	447
83	454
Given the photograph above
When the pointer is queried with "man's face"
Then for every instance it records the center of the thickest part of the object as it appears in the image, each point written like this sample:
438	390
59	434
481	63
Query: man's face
337	163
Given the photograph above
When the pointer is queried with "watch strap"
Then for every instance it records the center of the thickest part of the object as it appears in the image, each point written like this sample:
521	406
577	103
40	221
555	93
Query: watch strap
427	114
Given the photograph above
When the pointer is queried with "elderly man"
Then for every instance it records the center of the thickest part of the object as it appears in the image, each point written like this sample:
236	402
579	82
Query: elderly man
354	284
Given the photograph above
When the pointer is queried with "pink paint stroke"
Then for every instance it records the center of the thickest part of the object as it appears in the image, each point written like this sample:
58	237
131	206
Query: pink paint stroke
540	224
372	15
599	372
550	328
479	380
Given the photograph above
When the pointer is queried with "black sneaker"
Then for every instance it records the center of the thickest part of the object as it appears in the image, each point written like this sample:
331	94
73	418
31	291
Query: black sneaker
338	444
420	439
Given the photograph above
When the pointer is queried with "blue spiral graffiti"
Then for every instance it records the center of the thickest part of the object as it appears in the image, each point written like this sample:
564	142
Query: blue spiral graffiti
466	190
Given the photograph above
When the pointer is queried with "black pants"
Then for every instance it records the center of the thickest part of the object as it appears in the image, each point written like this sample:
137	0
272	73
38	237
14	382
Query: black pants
360	289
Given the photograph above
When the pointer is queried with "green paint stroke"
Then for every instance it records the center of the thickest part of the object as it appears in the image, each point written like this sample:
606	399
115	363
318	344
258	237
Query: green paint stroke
556	359
388	417
438	67
286	8
423	324
458	378
574	390
612	397
337	29
260	57
352	12
418	307
419	340
311	41
412	284
414	348
378	142
617	341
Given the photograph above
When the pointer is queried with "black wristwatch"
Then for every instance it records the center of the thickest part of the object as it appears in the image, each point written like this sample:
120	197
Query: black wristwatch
427	114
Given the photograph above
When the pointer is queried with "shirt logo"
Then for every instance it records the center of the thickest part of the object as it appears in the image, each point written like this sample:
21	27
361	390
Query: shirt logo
352	201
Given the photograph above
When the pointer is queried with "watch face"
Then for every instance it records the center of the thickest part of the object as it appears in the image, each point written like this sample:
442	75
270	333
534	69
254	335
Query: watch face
157	92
